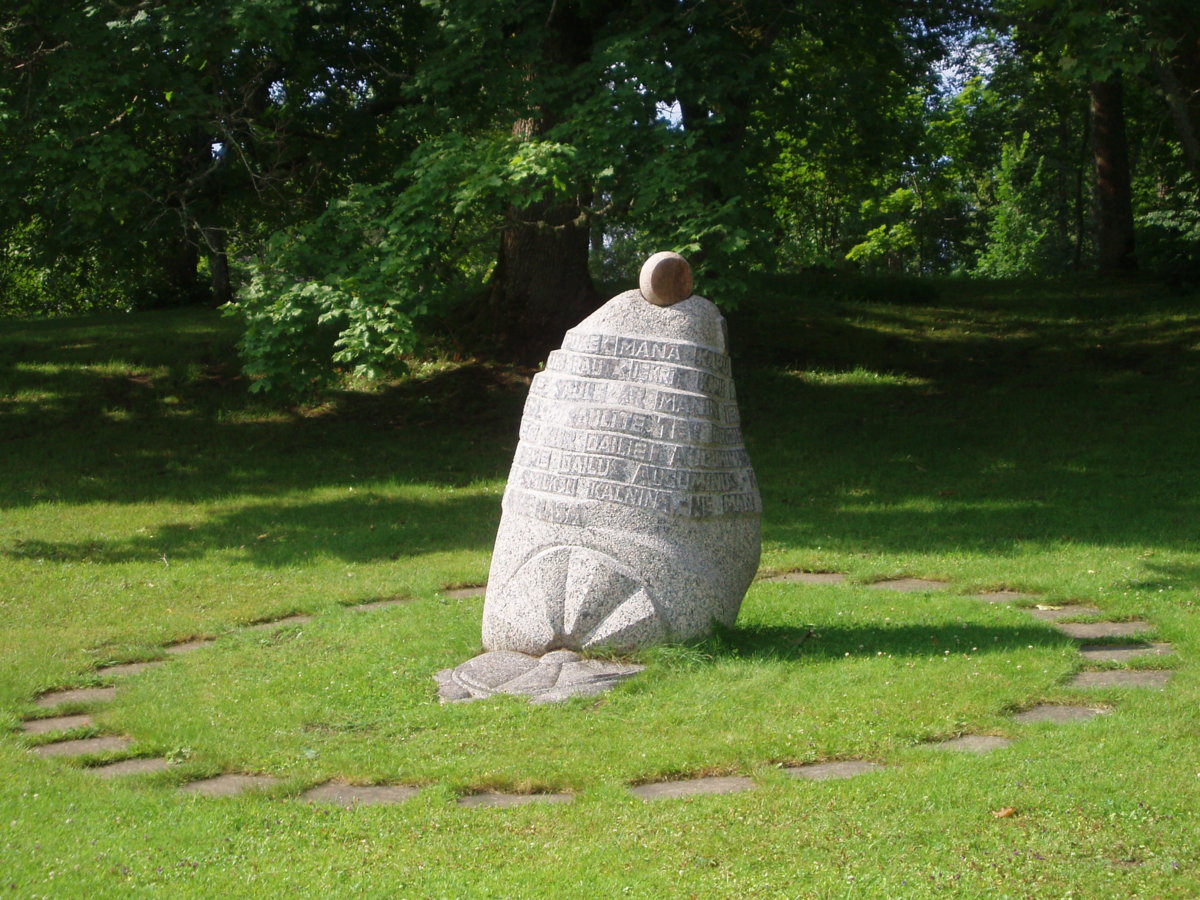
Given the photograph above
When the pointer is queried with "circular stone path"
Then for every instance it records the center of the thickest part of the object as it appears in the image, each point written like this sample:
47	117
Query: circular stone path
57	735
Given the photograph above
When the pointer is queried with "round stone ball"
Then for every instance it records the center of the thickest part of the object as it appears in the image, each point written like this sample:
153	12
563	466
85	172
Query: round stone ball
666	278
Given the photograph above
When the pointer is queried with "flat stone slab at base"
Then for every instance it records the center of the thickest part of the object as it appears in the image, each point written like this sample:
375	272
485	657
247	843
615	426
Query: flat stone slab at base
229	785
1123	652
827	771
495	799
556	676
84	746
808	578
908	585
351	795
1054	613
1049	712
78	695
1122	678
58	723
1003	596
972	743
725	784
1093	630
130	767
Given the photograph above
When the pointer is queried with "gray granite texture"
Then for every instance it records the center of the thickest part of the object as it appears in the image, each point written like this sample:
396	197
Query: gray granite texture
556	676
632	514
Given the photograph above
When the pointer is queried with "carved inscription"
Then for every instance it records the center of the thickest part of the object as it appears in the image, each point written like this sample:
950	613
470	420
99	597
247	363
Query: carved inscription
556	386
649	348
640	422
635	424
540	436
639	371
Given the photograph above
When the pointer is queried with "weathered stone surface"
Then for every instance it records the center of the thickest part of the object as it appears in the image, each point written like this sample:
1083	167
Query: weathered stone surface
632	513
493	798
1059	714
1122	678
130	767
972	743
555	676
1093	630
351	795
84	746
808	578
1123	652
77	695
828	771
229	785
722	784
908	585
1054	613
58	723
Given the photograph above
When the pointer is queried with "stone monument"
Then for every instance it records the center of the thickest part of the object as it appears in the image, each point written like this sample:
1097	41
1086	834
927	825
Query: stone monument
631	515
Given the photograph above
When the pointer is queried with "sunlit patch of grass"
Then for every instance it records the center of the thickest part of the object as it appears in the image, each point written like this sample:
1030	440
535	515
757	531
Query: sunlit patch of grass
859	376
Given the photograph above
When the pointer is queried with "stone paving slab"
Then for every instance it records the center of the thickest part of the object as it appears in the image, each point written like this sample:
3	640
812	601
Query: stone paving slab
972	743
463	593
1123	652
808	578
1003	596
1122	678
1054	613
1058	714
131	767
229	785
909	585
298	619
351	795
84	746
723	784
122	669
1093	630
496	799
828	771
188	646
381	604
76	695
58	723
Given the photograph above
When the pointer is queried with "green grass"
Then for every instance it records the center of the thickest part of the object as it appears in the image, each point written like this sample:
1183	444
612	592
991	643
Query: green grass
1033	437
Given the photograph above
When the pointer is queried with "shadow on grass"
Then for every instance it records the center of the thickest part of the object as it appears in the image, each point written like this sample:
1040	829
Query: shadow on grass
151	407
359	529
819	642
1057	414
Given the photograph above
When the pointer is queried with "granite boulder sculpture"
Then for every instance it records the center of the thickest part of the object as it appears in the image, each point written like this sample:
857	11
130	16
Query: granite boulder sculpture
632	514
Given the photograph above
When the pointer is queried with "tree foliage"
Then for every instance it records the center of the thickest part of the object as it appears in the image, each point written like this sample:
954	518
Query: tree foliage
356	170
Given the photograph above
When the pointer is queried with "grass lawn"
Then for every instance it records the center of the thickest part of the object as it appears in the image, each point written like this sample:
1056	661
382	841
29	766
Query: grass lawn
1025	437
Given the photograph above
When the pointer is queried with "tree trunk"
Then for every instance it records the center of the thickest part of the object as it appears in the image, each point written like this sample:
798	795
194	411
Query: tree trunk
542	285
1177	101
218	263
181	284
1114	193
